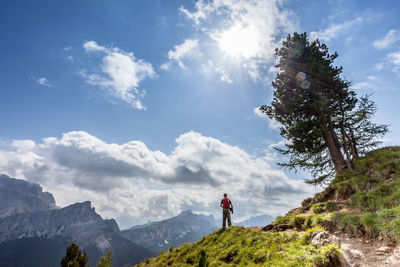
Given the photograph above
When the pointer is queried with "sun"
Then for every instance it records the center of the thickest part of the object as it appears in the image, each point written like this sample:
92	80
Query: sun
239	41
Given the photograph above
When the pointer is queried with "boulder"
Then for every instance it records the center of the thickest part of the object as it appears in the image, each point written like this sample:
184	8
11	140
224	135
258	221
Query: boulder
320	238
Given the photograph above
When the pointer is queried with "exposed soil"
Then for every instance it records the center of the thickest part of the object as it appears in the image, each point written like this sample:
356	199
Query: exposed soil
367	252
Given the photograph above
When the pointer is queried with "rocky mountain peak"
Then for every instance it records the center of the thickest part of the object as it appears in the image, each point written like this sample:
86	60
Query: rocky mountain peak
19	196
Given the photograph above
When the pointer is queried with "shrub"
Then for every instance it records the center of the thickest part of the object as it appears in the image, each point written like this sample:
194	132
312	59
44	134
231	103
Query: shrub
331	206
370	223
297	222
318	208
331	255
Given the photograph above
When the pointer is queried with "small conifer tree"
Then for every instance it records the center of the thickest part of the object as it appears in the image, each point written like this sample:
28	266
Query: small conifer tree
74	257
105	261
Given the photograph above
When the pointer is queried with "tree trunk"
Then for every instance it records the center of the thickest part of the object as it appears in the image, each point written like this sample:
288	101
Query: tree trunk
334	150
349	161
353	144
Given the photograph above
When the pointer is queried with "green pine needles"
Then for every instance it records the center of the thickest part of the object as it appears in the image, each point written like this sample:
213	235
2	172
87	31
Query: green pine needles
326	125
74	257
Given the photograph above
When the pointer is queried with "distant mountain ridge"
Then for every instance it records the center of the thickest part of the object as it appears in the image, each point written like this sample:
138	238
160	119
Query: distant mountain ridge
175	231
44	225
260	220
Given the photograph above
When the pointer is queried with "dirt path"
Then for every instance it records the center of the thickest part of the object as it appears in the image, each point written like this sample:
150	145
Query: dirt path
369	253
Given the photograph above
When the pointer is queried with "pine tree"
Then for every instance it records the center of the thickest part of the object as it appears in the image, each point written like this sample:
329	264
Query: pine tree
74	257
326	124
105	261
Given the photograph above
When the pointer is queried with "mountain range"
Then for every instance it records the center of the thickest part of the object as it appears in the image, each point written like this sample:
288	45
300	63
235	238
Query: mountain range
35	232
175	231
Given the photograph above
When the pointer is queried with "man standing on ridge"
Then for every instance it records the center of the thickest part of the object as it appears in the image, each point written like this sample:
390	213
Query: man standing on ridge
227	208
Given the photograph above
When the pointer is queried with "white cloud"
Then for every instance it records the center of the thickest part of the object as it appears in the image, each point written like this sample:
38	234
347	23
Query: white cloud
120	73
379	66
272	124
335	30
129	180
224	75
188	49
210	68
43	81
259	113
92	46
394	58
390	38
248	31
363	85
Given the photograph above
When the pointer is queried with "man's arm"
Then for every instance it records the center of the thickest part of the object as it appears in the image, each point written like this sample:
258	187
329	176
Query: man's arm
231	203
222	201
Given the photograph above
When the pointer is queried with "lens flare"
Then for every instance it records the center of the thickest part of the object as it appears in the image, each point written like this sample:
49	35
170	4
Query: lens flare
302	81
301	76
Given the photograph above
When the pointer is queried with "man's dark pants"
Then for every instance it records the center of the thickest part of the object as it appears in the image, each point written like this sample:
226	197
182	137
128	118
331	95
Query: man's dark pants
226	214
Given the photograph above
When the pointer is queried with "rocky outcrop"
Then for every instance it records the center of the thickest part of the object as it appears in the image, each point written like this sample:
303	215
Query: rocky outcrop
321	238
19	196
394	258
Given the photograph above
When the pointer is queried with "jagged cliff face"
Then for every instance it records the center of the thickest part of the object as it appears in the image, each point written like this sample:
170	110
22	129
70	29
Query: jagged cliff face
79	222
157	236
31	224
18	196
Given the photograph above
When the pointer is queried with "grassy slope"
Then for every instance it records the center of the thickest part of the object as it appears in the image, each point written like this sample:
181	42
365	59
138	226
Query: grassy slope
245	247
364	201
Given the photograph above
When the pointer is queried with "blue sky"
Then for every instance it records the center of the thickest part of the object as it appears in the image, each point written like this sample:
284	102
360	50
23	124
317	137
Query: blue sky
138	103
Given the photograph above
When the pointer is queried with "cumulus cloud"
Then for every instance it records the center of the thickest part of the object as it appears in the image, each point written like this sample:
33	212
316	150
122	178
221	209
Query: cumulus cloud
188	49
335	30
390	38
394	58
246	30
224	75
363	85
379	66
43	81
130	180
119	73
272	124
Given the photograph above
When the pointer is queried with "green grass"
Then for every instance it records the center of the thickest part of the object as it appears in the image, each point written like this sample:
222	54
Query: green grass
370	194
244	247
373	192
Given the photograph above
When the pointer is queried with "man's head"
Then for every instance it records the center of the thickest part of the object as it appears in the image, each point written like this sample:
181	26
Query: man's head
225	194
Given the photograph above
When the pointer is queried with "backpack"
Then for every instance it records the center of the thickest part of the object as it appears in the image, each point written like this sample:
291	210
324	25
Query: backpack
225	203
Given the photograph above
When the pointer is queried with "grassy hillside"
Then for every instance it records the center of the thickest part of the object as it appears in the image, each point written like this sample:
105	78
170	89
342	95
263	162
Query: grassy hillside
363	202
245	247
